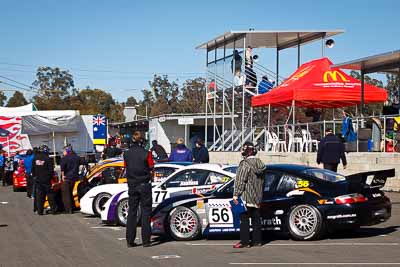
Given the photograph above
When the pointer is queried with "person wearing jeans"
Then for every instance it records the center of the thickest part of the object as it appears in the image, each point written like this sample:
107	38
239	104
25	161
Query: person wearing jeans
249	186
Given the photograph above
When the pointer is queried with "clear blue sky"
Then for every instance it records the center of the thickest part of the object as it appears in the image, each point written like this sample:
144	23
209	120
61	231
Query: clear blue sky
135	39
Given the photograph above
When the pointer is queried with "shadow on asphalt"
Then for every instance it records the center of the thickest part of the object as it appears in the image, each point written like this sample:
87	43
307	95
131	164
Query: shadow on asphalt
363	232
366	232
3	225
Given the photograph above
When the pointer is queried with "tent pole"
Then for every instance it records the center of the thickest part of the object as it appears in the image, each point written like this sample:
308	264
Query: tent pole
8	145
362	93
294	120
54	149
269	115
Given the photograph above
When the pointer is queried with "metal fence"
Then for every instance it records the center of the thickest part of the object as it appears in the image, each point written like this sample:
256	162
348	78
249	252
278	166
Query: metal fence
307	135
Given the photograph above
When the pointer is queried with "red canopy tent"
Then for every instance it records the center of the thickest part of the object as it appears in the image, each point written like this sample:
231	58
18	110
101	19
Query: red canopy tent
316	85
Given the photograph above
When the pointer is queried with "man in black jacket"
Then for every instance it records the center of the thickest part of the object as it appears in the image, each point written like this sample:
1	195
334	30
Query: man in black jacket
160	151
43	170
139	166
200	152
70	173
331	151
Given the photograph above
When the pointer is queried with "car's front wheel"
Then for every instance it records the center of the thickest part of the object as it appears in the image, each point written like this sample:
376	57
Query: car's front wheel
305	223
99	201
184	224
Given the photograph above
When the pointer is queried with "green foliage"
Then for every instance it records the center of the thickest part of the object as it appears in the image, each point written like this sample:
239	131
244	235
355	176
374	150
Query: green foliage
3	98
393	86
193	96
17	100
54	88
131	102
57	92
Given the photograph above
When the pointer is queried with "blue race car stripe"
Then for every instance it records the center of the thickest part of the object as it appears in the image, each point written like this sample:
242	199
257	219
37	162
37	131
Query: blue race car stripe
113	207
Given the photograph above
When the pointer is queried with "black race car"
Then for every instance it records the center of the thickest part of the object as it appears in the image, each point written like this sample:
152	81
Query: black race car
300	200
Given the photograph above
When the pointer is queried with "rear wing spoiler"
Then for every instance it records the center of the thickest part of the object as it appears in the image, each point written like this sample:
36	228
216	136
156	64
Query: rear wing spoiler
373	179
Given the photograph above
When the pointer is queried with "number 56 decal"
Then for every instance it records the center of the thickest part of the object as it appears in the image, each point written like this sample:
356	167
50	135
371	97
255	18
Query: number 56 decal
303	183
220	215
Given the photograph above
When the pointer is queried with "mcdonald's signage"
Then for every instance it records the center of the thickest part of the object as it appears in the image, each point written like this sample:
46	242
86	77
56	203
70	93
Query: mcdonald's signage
334	75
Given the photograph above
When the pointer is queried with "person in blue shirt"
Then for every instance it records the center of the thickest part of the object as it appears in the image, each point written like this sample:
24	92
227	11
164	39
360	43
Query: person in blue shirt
28	172
181	153
2	164
265	85
348	133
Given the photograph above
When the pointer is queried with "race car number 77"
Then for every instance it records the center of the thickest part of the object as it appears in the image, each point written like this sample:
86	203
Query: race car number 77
159	196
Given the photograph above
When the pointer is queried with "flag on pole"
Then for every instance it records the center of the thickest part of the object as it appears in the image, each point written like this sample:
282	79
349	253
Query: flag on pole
99	130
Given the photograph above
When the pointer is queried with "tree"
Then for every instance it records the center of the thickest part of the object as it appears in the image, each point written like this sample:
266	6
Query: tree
393	86
131	102
54	88
17	100
3	98
372	108
166	96
96	101
193	96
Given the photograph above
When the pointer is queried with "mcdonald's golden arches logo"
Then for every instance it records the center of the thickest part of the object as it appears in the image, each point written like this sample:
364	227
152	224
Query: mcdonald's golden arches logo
334	75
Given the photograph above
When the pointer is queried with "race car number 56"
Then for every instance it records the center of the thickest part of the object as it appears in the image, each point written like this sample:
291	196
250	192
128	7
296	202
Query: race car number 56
220	215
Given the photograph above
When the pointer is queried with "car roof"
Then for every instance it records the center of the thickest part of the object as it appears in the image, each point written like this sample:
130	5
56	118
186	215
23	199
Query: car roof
288	167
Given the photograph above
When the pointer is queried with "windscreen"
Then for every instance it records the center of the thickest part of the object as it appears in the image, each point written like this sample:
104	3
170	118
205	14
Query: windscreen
326	175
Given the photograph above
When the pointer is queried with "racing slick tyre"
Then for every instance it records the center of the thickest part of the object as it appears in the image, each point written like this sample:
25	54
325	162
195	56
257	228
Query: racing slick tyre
99	201
122	212
305	223
184	224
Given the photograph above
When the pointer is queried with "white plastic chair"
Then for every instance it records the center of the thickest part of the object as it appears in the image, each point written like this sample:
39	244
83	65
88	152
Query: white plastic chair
296	141
308	142
280	144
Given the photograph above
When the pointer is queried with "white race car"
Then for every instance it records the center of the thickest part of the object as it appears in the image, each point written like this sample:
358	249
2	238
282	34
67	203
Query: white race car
194	179
93	201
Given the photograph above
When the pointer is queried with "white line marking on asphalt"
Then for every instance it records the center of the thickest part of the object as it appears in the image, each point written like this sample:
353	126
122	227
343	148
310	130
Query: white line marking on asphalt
124	238
4	202
162	257
301	244
107	227
315	263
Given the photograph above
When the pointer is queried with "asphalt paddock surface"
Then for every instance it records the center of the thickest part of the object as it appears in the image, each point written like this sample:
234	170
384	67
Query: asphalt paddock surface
75	240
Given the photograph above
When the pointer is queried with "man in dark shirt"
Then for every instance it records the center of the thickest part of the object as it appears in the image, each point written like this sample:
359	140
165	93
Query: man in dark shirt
331	151
200	152
43	170
159	150
139	166
112	151
69	173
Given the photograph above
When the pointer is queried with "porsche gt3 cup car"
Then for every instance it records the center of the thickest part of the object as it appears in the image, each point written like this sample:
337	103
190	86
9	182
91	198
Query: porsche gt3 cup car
197	178
93	201
300	200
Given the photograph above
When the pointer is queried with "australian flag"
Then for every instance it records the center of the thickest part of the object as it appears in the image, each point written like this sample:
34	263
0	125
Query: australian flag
99	130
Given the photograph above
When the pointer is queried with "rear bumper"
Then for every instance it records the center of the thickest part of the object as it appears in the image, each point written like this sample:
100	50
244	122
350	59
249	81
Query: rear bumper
356	215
